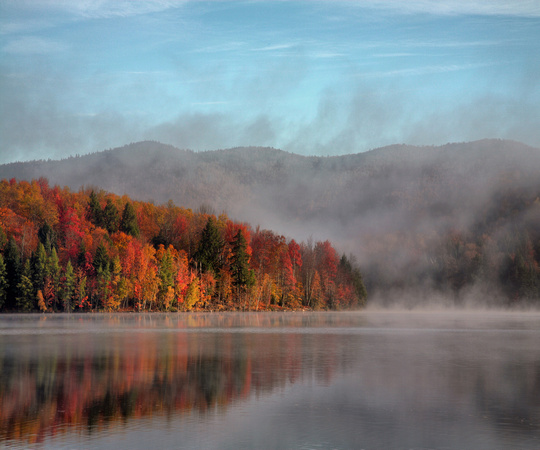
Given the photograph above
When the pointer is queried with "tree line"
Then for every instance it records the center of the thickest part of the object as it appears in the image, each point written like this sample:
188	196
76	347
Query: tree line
92	250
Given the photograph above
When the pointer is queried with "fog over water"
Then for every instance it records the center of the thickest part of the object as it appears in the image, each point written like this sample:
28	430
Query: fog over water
373	379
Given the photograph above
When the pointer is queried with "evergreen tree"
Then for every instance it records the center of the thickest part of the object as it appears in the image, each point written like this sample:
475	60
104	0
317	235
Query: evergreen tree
348	267
52	282
94	214
25	299
68	287
209	253
3	238
243	276
110	217
3	282
80	288
103	277
101	259
39	267
128	222
53	267
47	237
12	261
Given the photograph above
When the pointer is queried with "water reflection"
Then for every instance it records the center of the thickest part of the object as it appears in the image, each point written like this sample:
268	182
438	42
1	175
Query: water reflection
383	380
94	371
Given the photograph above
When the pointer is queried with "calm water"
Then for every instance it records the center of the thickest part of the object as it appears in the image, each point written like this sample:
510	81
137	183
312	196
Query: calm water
372	380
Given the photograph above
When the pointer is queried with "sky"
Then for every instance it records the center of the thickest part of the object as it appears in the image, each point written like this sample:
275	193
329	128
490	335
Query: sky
309	77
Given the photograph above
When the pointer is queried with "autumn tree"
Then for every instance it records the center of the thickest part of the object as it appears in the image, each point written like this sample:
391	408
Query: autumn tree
193	294
166	276
316	296
82	253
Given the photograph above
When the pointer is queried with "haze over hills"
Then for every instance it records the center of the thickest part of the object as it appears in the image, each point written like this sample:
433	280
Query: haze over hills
436	217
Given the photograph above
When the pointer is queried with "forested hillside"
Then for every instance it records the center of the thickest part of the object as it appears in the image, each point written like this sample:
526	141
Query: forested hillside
92	250
460	220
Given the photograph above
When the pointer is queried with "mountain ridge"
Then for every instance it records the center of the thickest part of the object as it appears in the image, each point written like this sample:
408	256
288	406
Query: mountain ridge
393	207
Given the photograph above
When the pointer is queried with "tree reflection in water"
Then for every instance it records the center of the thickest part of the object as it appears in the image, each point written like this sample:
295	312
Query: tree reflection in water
389	380
84	371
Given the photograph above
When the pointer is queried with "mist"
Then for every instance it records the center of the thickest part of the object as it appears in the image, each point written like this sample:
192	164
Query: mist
454	226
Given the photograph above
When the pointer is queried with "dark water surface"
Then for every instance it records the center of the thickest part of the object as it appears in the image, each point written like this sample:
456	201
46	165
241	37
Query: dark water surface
371	380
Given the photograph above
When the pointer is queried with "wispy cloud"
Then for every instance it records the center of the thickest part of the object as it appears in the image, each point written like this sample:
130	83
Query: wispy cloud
270	48
424	70
524	8
223	47
99	8
22	26
323	55
29	45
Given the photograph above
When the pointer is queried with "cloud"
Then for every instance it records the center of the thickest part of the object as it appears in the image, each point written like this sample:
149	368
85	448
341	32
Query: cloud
488	115
372	117
423	70
98	8
274	47
210	131
456	7
29	16
29	45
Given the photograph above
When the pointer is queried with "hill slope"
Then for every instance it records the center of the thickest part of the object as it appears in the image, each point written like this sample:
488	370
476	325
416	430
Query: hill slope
414	216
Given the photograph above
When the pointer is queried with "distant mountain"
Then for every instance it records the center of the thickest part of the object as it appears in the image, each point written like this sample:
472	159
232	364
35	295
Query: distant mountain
396	208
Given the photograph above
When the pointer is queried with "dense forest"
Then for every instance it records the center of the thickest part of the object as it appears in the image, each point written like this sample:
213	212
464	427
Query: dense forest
96	251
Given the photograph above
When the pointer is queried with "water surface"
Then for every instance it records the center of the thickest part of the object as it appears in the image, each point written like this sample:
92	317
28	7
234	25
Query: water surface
373	380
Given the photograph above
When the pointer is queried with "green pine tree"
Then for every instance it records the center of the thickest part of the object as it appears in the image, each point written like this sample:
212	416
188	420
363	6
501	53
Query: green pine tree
128	222
101	259
53	275
95	214
68	287
25	299
209	253
3	238
39	267
3	282
243	276
110	217
12	261
47	237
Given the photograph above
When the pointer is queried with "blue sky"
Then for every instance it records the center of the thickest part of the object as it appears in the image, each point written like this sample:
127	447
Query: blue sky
309	77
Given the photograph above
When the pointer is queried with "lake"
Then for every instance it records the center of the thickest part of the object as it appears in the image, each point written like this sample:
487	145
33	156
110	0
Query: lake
346	380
